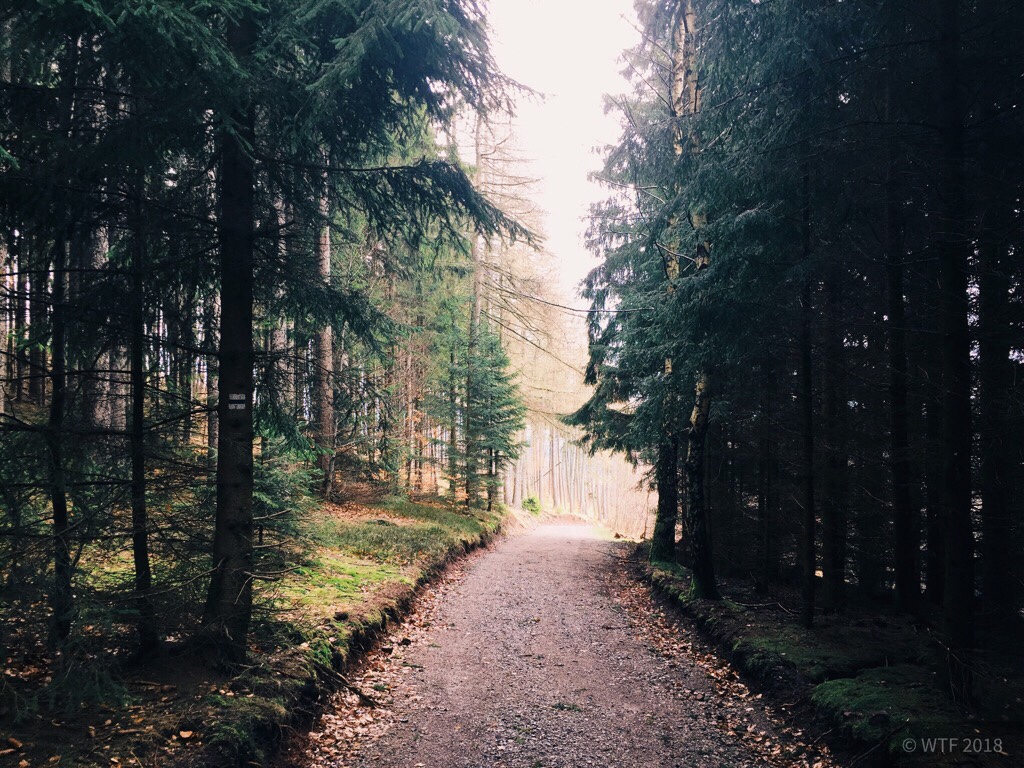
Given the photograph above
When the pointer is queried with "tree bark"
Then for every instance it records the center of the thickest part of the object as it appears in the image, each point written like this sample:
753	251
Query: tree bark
663	539
703	586
149	638
834	504
935	514
40	268
62	600
954	250
325	360
999	587
808	557
210	340
905	526
808	548
229	601
766	474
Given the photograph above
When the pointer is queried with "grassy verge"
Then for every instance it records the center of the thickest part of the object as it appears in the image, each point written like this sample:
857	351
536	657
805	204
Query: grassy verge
360	573
357	570
868	678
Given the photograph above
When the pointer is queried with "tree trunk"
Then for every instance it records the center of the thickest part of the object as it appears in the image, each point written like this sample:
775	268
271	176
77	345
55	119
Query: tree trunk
453	422
6	323
999	588
325	360
833	508
210	341
62	600
663	540
21	329
766	502
148	637
40	267
905	527
954	249
703	586
808	549
935	514
229	601
96	385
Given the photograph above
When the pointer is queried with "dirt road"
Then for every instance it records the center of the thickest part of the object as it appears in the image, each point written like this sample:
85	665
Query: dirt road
541	653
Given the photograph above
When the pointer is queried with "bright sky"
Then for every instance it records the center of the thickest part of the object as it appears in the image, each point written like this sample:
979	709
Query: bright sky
570	51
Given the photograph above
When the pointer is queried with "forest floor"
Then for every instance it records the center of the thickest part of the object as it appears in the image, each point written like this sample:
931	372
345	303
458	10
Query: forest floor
868	677
547	652
357	570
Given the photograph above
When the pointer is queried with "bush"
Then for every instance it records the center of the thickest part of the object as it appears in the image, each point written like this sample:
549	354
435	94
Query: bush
531	505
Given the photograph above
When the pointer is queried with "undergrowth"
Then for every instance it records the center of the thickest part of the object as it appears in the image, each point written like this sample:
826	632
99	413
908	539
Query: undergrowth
336	583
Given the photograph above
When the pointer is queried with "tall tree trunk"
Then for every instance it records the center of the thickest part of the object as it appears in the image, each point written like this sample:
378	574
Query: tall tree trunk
229	601
766	501
21	329
40	268
999	588
703	586
453	423
476	302
953	251
96	384
934	492
210	317
325	360
685	93
905	526
7	291
666	471
148	637
808	548
62	600
833	508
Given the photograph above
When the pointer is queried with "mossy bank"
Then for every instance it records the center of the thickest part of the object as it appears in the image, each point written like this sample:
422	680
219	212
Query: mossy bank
360	574
869	683
339	580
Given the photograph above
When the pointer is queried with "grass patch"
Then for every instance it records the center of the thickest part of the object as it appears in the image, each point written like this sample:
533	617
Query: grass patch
427	533
332	578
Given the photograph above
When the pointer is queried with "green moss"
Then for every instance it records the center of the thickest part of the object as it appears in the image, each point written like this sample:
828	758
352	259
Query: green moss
471	522
242	727
790	646
431	534
885	704
830	652
334	580
403	544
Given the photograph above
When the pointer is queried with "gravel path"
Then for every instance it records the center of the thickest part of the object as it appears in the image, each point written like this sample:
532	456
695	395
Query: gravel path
540	653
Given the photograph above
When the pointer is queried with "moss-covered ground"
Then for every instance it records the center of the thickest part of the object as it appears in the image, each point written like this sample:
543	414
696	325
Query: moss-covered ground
870	677
349	570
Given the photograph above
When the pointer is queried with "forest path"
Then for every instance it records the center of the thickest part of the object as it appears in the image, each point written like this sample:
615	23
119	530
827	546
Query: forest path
542	652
